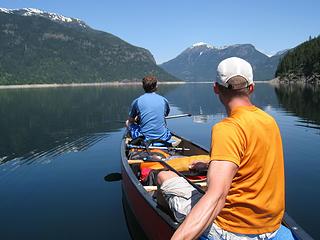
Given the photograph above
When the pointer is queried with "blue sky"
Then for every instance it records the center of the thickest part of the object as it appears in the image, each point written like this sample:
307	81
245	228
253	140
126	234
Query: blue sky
166	28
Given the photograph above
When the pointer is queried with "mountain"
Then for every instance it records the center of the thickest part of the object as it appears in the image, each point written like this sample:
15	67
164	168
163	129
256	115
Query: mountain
42	47
199	62
67	21
302	63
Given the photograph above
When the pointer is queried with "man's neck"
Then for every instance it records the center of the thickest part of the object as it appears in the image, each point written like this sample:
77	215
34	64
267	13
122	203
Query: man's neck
237	102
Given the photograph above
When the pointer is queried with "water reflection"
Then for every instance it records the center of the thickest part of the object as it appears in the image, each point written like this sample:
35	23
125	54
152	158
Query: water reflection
38	122
303	101
200	100
201	118
48	122
69	199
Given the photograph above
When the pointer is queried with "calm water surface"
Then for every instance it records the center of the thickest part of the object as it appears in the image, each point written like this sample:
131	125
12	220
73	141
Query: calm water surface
56	146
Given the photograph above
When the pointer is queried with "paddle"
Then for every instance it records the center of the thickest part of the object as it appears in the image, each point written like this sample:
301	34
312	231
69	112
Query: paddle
159	147
167	117
178	116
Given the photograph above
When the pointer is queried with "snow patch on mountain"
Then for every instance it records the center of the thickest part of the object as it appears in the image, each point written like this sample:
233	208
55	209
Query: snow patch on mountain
31	11
202	44
4	10
52	16
222	47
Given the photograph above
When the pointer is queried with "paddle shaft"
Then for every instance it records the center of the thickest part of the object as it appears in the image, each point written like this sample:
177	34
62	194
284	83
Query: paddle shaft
167	117
178	116
155	147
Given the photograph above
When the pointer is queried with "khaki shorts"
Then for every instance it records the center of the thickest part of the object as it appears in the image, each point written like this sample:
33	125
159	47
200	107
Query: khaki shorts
181	197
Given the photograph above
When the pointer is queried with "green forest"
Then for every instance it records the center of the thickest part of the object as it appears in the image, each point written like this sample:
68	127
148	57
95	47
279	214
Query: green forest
301	63
34	49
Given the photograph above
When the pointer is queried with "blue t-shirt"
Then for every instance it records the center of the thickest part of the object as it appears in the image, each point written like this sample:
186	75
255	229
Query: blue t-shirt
152	110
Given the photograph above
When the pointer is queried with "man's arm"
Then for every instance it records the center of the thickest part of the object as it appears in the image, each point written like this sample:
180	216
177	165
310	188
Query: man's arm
129	121
219	178
133	113
167	108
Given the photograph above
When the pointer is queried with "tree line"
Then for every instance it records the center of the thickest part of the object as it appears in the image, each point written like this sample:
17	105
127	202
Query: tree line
302	62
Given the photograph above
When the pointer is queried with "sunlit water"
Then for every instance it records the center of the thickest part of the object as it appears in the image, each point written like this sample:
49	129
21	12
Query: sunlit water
56	146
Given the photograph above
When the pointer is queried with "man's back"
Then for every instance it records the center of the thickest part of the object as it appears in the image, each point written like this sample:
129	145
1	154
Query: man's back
251	139
245	190
151	109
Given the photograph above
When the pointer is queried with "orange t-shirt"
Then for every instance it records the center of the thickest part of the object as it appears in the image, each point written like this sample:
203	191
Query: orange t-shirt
251	139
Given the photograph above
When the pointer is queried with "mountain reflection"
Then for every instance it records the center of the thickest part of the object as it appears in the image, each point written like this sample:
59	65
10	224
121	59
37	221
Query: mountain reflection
40	123
302	100
199	99
48	122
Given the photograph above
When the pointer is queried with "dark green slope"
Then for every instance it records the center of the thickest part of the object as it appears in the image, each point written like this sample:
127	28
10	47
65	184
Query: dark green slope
302	63
34	49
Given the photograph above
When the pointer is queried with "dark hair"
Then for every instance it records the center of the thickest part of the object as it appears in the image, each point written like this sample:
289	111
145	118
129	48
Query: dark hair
238	86
149	84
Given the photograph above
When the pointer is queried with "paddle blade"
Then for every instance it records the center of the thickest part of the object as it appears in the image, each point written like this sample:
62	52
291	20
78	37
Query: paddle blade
113	177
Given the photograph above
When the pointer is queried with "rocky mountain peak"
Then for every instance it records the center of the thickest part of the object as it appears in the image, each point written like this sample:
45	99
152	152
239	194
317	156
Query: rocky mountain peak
199	62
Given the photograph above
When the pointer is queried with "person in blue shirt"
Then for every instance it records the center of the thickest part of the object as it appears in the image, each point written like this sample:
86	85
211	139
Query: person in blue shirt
147	114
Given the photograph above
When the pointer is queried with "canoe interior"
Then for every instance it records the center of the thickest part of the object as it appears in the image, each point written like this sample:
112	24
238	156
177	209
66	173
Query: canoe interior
156	222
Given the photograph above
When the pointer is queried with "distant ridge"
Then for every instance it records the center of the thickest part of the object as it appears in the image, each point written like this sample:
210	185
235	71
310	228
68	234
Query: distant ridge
40	47
199	62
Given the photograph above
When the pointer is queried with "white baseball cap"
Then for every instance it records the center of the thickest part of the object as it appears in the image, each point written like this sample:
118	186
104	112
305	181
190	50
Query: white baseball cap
232	67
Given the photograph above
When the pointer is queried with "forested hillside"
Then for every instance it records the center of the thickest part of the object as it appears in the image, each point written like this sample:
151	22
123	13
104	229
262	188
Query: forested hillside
40	47
301	63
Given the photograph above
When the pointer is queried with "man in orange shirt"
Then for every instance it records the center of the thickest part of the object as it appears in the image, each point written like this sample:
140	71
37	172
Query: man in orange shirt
245	195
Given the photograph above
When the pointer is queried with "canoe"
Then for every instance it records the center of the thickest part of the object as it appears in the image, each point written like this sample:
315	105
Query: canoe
156	223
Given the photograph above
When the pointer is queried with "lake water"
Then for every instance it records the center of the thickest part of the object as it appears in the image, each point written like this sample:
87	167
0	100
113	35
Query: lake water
56	146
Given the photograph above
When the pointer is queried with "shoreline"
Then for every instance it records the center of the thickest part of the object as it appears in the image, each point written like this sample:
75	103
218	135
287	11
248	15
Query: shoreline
103	84
59	85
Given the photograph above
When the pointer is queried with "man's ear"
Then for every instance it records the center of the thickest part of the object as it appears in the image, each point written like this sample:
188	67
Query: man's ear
251	88
215	88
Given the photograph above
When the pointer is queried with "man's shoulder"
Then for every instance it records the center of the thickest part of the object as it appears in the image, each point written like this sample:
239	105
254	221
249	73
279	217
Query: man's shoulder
158	95
152	96
135	101
225	123
240	121
265	117
162	97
